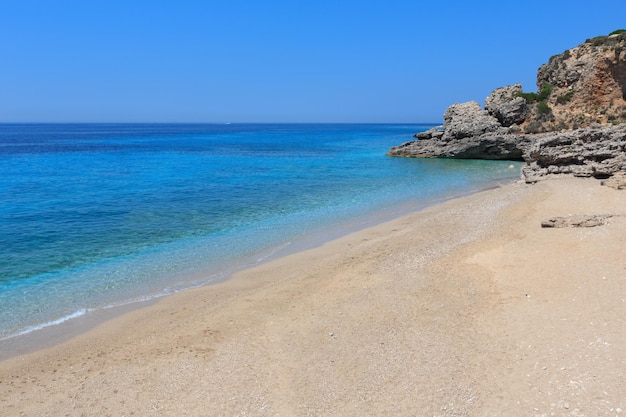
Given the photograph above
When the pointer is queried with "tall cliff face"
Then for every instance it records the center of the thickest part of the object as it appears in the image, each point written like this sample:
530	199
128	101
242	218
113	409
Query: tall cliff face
587	83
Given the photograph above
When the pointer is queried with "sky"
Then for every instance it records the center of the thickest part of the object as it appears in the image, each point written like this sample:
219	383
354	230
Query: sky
214	61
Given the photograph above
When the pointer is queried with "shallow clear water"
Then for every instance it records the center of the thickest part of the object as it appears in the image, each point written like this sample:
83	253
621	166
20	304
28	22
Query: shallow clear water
96	215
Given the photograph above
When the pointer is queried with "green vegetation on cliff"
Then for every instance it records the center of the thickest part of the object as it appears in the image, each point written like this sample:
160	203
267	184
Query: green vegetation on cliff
543	95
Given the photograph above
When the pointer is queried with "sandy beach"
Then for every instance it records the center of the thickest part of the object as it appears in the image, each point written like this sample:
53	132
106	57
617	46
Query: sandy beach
466	308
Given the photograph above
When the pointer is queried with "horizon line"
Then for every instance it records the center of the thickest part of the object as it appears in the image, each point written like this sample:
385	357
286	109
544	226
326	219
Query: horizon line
216	123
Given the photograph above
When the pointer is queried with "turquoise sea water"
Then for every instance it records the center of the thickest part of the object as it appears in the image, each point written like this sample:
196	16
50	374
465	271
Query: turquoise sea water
98	215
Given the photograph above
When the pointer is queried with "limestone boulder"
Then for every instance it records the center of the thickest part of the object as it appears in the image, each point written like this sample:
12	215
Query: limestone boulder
506	105
596	151
467	120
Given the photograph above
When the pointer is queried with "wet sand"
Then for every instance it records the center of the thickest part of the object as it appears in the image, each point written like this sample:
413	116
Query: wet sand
468	307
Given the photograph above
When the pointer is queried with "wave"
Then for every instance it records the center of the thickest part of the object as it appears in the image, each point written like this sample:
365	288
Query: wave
56	322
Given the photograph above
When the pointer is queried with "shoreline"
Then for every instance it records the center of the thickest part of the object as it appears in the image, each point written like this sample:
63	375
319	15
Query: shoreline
58	330
443	311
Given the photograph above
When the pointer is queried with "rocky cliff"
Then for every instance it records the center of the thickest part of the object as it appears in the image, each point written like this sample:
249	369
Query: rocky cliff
573	125
587	84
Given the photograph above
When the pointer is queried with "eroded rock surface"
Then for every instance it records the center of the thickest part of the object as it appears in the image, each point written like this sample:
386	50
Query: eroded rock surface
469	132
467	120
595	151
506	105
577	221
588	83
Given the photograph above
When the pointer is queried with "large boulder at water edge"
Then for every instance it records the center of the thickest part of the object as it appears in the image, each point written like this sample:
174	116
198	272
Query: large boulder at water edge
467	120
468	132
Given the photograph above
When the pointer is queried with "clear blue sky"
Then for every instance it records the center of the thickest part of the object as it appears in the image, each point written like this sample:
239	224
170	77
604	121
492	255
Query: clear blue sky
276	61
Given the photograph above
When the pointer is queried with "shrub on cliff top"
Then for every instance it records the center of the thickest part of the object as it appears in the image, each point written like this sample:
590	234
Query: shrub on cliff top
598	40
545	92
530	97
609	39
543	95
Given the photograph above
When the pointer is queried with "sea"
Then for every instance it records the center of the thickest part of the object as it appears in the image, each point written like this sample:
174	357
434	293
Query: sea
95	216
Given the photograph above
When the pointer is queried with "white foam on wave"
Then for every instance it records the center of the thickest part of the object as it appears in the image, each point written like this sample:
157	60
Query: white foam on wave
273	252
30	329
84	311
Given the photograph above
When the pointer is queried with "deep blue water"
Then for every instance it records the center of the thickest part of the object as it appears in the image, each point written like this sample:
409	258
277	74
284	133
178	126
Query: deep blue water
96	215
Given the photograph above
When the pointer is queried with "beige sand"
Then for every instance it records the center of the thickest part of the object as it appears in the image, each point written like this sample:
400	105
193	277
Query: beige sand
466	308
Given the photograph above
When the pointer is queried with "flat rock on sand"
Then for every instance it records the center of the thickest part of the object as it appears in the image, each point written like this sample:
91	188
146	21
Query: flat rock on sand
583	220
466	308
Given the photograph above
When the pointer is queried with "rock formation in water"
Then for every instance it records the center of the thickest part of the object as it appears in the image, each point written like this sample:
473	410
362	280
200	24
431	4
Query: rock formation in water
575	124
470	132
